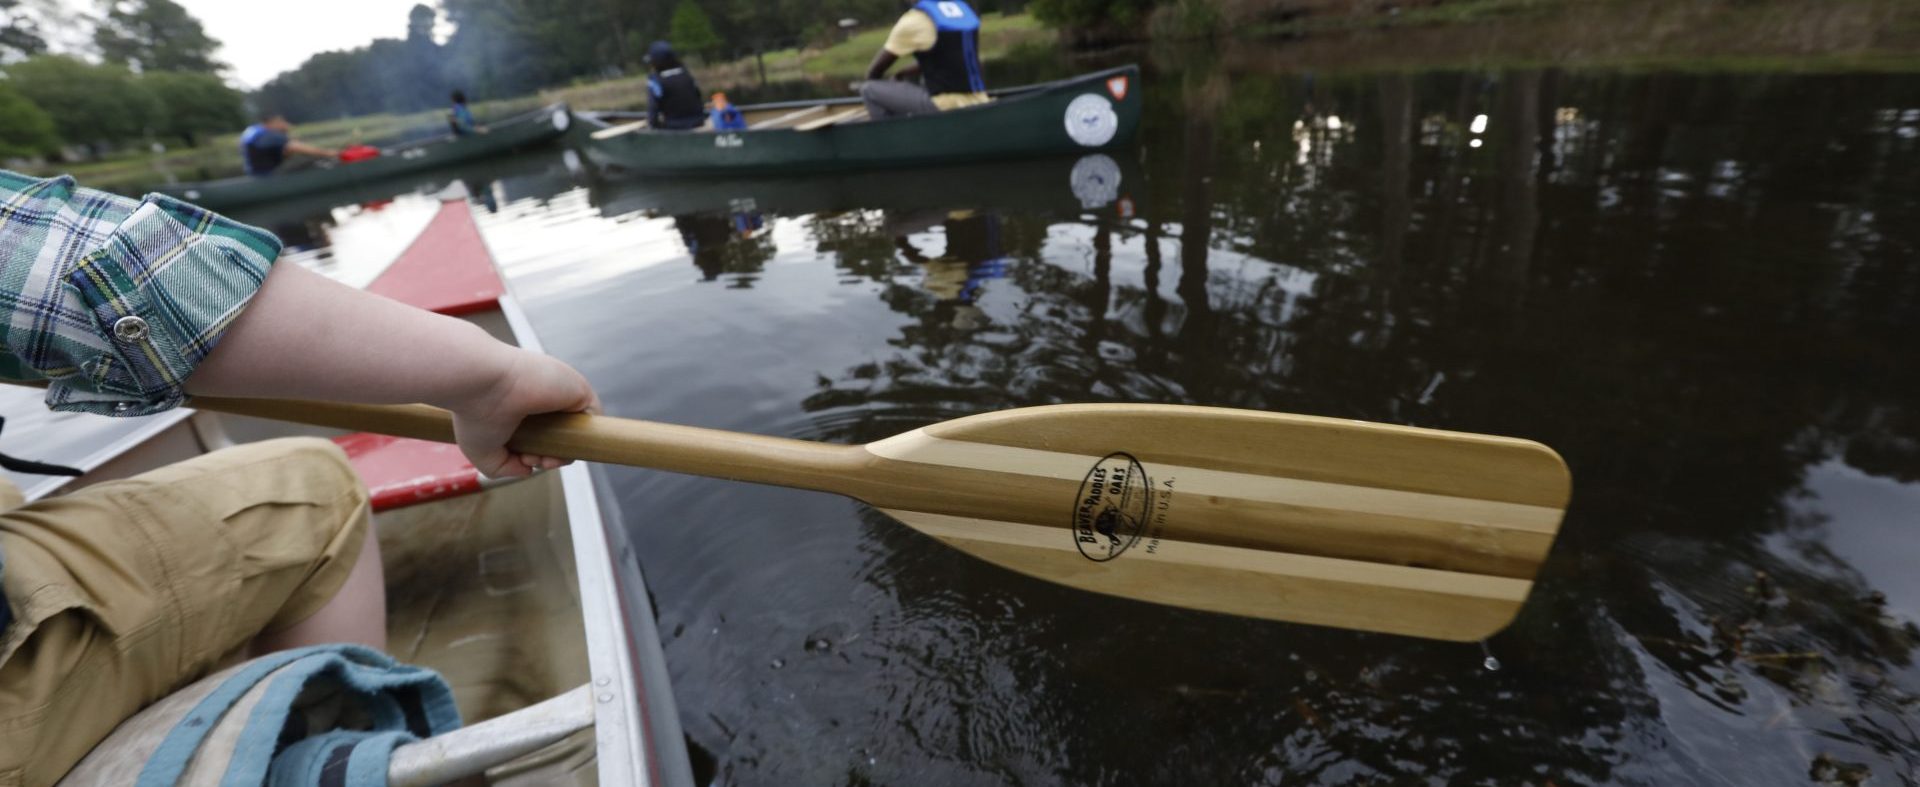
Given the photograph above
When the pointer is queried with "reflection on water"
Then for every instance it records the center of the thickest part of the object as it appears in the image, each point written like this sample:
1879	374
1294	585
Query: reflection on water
1699	288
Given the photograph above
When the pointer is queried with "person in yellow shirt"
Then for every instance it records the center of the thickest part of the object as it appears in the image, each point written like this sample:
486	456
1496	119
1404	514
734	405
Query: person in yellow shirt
943	38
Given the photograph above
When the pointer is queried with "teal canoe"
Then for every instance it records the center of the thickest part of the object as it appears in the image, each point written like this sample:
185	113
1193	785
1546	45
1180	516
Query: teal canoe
520	132
1081	114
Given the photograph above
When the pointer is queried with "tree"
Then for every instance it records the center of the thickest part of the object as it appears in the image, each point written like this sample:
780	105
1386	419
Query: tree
90	104
18	33
424	58
155	35
193	104
420	22
691	31
1096	19
25	129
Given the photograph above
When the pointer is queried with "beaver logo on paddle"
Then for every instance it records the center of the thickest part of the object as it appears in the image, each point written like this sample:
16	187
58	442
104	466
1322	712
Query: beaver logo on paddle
1111	511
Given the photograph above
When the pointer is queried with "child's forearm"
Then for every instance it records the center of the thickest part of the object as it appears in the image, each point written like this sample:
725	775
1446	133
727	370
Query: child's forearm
305	336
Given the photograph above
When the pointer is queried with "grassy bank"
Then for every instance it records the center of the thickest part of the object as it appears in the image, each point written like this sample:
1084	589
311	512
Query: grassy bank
134	170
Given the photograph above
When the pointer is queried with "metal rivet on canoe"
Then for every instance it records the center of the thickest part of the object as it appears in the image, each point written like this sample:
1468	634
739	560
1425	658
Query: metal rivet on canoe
606	697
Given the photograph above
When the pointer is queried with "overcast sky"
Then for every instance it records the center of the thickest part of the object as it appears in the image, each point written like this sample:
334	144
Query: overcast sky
261	38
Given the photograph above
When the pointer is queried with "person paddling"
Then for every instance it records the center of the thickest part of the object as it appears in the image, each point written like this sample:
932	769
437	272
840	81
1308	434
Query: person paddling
265	145
673	98
943	38
115	595
460	118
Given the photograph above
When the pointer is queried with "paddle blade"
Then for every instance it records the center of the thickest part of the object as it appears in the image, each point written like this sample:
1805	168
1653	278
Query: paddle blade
1313	520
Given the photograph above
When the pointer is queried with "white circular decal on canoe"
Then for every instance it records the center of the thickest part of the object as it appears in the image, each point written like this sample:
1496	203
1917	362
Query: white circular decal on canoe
1091	120
561	120
1095	180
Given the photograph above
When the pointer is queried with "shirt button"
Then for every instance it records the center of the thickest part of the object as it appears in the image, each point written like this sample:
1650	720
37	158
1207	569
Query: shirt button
130	329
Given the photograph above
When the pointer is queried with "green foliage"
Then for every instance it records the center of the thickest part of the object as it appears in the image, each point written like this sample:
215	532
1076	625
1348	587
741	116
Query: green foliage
155	35
193	105
25	129
90	104
691	31
1093	14
18	33
420	21
388	75
509	47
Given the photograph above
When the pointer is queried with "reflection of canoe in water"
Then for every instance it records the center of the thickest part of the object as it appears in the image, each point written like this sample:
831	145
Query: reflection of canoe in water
523	131
1084	113
538	175
1092	181
512	591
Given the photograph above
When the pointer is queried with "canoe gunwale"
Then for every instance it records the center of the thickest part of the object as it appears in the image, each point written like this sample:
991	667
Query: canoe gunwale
636	722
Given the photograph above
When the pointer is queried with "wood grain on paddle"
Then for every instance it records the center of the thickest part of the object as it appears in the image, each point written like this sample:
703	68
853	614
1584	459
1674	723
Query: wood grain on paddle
1284	517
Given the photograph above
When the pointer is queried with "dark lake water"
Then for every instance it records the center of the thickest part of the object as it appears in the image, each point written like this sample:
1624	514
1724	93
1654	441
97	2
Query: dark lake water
1700	288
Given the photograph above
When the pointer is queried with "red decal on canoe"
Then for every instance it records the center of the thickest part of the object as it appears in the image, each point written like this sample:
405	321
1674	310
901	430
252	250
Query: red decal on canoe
399	472
1118	87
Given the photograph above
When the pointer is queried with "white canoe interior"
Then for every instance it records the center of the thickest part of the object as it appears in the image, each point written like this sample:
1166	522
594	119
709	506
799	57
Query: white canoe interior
509	590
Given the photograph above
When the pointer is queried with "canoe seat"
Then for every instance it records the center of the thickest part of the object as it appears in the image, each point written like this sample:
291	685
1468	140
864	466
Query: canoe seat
854	115
400	472
787	118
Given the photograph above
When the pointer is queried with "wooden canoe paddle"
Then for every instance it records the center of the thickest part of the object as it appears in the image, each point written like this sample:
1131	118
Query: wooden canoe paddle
1284	517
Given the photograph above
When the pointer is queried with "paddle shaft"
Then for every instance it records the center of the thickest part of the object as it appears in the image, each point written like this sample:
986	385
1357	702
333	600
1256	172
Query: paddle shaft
988	486
1274	516
594	438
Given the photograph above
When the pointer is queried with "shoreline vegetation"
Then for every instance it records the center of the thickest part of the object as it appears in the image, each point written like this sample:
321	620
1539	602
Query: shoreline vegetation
1232	36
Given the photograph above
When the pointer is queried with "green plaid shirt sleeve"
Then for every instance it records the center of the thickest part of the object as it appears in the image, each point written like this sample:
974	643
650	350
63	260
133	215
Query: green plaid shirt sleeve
116	301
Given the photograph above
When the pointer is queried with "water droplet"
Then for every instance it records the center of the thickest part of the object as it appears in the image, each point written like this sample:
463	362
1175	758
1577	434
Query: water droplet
819	645
1492	664
778	663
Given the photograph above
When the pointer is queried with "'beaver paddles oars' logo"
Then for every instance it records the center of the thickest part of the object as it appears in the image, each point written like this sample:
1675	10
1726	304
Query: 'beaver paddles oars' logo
1111	512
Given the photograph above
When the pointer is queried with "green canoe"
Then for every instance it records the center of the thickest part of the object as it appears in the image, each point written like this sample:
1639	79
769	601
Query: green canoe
516	133
1085	113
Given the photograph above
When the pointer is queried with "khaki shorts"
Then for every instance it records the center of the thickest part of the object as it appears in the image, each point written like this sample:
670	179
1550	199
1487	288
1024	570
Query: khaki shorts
125	591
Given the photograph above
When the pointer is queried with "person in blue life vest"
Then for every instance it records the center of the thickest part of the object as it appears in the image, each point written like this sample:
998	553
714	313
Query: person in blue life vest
726	116
673	98
460	118
265	145
943	36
